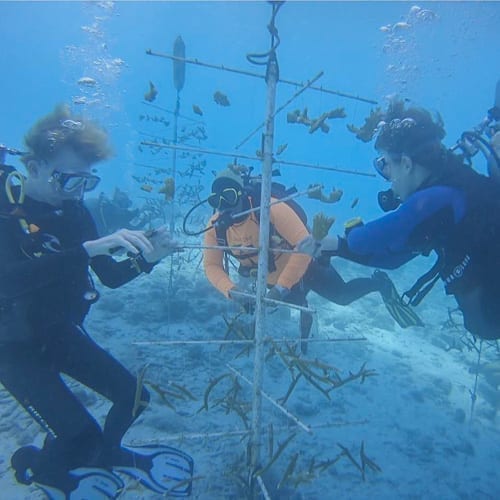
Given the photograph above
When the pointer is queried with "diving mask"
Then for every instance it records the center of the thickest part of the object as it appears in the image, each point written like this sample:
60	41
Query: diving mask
227	198
69	183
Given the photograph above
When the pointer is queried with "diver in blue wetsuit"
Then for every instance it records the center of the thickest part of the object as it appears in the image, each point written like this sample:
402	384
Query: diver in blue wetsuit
438	204
48	241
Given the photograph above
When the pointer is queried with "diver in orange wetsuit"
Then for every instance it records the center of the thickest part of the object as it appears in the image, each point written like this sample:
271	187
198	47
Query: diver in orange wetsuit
291	275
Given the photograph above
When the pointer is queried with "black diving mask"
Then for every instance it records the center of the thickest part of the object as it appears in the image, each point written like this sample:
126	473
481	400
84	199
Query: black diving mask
379	164
69	183
227	198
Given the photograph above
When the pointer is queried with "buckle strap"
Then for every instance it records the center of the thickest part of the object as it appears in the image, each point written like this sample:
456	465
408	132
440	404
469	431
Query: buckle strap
424	284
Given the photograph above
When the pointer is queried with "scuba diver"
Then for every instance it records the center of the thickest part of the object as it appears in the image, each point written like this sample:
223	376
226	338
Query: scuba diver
48	241
111	214
437	203
291	275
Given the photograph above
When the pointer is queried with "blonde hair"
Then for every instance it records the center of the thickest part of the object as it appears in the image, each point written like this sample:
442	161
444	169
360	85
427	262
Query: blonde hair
59	130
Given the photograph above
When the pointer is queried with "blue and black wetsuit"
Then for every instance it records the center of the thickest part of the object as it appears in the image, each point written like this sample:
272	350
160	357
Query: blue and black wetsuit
45	294
458	218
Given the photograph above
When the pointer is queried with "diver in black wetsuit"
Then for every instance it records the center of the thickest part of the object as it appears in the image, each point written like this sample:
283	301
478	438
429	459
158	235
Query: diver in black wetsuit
437	203
48	240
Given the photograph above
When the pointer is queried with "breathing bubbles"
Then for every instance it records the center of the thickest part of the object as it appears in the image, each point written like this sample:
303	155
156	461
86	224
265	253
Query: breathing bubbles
400	47
91	69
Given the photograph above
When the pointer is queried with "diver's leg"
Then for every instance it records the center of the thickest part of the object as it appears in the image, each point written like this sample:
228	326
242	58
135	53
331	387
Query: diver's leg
297	296
74	438
327	282
160	468
94	367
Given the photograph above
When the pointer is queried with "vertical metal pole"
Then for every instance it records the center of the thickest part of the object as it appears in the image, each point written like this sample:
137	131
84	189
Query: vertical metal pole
179	67
174	163
255	438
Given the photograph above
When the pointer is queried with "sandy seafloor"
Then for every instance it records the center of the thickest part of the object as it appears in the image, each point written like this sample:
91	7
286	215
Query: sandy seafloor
414	416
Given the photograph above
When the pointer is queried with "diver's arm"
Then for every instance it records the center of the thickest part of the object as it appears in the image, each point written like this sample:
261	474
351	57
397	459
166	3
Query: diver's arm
411	230
212	263
144	257
110	272
289	226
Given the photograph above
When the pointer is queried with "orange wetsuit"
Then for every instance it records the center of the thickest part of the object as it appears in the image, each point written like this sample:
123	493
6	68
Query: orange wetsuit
288	231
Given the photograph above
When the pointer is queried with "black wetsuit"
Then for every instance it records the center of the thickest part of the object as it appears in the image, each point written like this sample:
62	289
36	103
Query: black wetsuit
45	294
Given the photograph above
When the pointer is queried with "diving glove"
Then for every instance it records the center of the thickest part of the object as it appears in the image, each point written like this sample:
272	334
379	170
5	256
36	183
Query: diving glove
316	248
243	298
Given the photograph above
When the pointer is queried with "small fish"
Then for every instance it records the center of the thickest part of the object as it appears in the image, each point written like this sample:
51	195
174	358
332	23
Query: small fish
354	202
147	187
151	94
221	99
197	110
86	80
281	148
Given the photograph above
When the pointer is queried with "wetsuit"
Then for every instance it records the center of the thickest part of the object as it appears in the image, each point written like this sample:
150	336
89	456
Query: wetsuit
458	218
45	294
295	272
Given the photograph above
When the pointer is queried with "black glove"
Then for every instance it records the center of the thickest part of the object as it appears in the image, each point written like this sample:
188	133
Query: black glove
247	303
277	292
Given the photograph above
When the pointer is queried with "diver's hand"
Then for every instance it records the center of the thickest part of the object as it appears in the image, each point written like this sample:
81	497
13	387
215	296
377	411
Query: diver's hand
278	292
134	242
315	248
242	297
163	245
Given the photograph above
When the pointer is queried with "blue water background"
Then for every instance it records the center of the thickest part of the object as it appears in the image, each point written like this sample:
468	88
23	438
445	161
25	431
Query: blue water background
449	64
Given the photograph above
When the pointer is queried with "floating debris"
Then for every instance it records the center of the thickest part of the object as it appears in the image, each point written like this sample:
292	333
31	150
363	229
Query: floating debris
79	100
87	81
197	110
221	99
151	94
354	202
281	148
147	187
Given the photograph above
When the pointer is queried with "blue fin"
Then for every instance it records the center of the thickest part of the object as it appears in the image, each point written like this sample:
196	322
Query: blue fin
93	483
171	470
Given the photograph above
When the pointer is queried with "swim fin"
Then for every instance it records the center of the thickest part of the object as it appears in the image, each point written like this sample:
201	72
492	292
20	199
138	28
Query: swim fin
160	468
403	314
91	483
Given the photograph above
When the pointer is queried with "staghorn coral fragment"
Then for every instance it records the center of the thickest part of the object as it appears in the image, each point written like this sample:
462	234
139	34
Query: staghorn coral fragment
138	403
334	196
281	148
288	471
336	113
168	189
366	132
